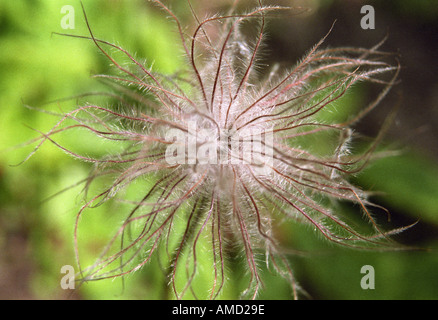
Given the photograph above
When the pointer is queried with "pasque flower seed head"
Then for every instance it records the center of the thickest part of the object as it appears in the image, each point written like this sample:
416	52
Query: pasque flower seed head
221	144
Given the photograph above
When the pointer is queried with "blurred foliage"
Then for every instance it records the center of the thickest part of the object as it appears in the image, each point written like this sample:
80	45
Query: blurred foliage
36	236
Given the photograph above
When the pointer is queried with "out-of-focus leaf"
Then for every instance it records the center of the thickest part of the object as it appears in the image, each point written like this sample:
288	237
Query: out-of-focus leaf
409	183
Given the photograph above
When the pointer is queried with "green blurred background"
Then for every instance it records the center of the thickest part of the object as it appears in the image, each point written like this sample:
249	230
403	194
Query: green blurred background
36	237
